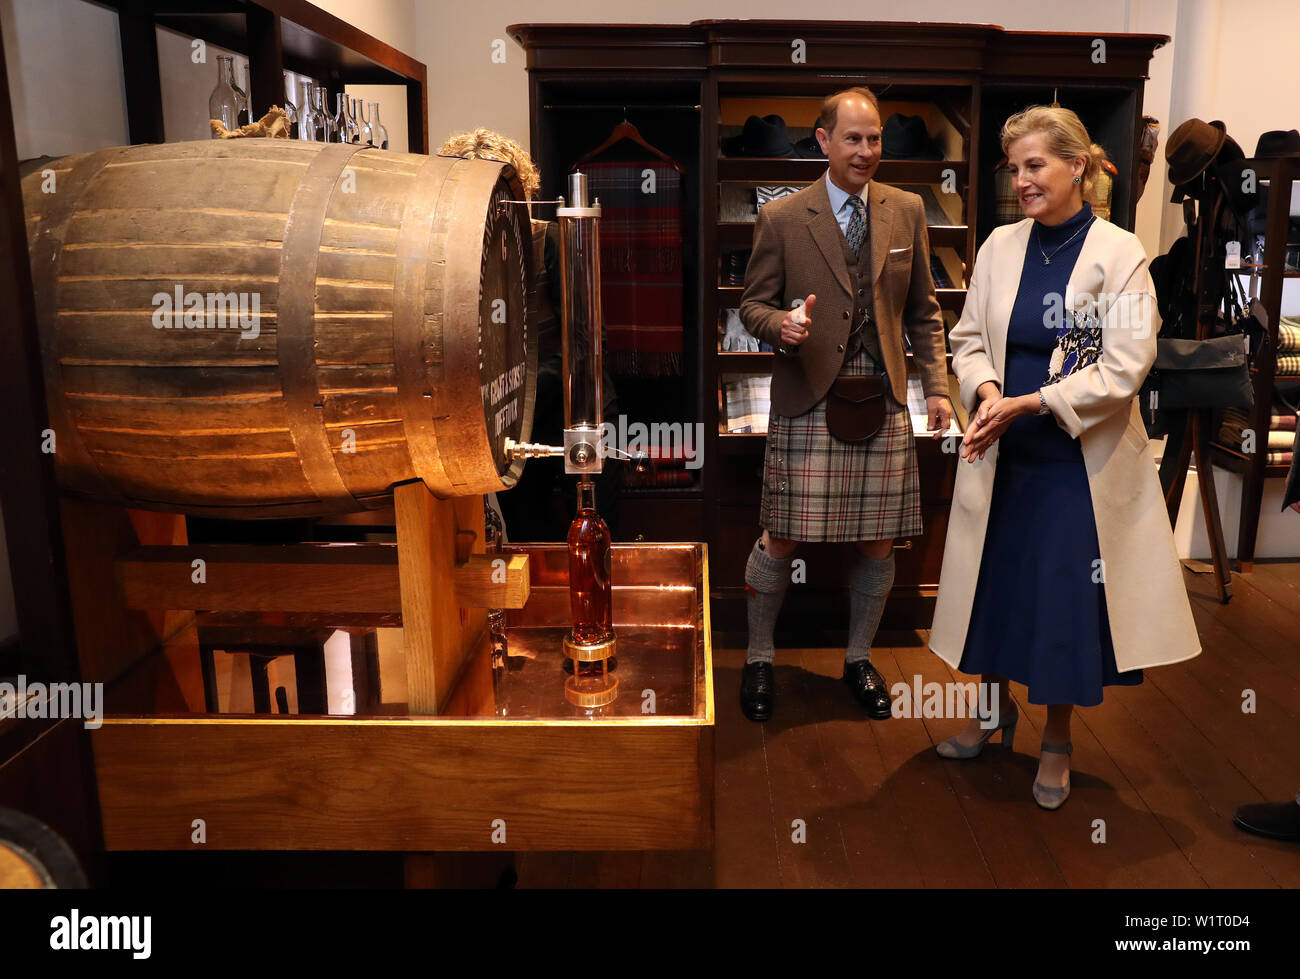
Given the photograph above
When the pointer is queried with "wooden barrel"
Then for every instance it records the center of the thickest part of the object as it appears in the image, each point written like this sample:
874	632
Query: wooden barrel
274	328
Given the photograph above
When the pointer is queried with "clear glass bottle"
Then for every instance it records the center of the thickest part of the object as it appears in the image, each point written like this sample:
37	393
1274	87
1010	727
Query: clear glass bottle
223	103
245	110
341	133
354	124
317	125
367	132
290	106
381	134
590	587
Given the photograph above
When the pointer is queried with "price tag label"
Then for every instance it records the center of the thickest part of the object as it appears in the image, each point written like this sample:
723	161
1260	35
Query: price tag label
1232	255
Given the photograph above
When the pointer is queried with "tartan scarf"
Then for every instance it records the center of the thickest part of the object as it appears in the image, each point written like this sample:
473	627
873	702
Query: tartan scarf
640	264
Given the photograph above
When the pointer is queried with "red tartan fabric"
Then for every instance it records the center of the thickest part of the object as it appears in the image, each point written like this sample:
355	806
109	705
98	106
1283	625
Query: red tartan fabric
640	263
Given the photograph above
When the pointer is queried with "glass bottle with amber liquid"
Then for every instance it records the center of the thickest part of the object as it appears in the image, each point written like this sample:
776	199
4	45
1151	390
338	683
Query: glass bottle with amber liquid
590	589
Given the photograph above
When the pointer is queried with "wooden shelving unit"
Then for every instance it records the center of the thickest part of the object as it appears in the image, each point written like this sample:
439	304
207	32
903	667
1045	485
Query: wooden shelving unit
964	79
275	36
1280	175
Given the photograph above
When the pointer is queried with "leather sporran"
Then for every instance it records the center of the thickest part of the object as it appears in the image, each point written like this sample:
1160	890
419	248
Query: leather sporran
855	407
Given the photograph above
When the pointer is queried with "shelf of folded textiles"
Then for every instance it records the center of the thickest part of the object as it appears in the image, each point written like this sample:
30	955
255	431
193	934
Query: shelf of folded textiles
779	169
1234	460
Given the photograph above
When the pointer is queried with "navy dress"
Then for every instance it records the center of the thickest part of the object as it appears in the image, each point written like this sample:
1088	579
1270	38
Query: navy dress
1038	617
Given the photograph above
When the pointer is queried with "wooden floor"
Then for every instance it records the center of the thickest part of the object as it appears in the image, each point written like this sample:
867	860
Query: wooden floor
1159	768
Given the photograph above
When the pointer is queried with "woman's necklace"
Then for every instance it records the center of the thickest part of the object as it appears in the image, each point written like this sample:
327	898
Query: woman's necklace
1047	259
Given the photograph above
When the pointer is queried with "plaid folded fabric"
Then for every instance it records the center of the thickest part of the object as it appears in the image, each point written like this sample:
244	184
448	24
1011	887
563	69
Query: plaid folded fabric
1281	428
1288	364
1288	335
1280	458
747	402
772	192
640	264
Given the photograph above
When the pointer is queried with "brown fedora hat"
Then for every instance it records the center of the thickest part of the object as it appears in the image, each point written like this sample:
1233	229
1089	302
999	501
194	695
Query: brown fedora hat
1192	147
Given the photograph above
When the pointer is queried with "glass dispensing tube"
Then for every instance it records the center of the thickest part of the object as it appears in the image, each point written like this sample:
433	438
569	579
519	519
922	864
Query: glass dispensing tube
591	645
582	321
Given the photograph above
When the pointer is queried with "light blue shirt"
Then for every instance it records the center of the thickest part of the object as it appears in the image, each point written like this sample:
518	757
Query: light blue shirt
840	204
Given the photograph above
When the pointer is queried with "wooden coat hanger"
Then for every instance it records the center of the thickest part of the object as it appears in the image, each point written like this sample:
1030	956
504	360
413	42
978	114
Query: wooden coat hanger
625	130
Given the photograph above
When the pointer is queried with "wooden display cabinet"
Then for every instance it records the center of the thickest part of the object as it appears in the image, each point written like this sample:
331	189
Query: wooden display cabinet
964	80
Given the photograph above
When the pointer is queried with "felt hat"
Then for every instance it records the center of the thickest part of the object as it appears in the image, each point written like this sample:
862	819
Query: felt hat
905	138
761	136
1192	147
1279	142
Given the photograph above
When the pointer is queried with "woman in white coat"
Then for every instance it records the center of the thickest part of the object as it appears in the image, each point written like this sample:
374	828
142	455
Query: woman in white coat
1059	570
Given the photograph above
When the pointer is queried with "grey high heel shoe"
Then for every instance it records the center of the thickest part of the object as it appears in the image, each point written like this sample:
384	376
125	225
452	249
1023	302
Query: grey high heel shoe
952	748
1046	796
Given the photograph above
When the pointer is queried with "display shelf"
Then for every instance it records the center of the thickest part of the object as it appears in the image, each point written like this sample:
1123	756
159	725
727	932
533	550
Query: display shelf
275	35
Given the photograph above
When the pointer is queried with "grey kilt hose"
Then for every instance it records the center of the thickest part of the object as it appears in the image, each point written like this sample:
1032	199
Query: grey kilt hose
817	488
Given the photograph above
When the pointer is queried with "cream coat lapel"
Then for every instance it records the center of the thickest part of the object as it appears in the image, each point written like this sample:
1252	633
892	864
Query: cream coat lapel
825	231
881	217
1010	264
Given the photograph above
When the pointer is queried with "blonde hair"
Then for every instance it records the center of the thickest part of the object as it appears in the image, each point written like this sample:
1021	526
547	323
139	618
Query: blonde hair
484	144
1067	138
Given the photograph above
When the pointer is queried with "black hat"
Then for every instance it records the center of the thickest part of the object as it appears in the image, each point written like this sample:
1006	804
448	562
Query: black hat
808	148
905	138
760	137
1279	142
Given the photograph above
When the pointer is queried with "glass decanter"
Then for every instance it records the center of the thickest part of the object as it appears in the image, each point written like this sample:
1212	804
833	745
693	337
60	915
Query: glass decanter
381	134
223	103
290	108
341	133
317	126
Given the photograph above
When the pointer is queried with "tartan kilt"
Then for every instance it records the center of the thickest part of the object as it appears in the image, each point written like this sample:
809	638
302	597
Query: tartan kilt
817	488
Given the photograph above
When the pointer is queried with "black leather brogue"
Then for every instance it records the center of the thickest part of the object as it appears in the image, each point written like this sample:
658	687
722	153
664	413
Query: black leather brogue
869	688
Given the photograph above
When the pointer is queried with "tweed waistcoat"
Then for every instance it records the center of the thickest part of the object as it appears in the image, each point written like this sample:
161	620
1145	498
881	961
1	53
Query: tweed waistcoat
862	333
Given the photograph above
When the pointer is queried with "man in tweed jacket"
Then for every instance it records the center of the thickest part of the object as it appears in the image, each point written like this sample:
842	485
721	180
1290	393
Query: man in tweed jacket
839	273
